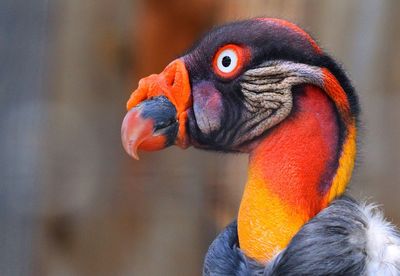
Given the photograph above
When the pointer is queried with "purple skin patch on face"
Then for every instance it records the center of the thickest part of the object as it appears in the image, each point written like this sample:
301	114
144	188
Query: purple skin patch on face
207	107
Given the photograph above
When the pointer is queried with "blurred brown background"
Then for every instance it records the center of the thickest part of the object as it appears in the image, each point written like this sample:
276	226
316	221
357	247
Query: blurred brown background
73	203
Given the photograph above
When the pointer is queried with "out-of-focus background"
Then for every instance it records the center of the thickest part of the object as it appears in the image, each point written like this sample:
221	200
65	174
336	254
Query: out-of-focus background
73	203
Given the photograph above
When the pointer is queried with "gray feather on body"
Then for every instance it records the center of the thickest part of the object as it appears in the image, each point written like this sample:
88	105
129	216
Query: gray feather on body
335	242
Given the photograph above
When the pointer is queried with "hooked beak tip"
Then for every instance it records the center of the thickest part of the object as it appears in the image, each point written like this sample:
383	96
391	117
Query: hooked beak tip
132	151
130	145
134	131
150	126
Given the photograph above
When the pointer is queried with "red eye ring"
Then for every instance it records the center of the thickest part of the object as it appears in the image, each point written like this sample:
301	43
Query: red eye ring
229	60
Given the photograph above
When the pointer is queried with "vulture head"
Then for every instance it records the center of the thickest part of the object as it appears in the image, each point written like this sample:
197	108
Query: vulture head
263	87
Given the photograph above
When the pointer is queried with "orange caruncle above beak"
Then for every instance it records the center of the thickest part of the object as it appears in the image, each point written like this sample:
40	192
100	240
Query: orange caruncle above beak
139	129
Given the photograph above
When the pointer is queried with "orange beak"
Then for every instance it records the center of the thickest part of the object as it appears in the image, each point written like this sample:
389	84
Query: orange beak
157	111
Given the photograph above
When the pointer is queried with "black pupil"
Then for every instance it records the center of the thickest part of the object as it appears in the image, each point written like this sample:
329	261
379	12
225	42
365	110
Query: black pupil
226	61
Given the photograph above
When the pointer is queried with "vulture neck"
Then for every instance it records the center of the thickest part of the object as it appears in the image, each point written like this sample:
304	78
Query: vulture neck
291	175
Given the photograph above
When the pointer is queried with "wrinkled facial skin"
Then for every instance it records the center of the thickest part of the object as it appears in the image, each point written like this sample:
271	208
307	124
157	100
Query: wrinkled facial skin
225	116
213	118
227	112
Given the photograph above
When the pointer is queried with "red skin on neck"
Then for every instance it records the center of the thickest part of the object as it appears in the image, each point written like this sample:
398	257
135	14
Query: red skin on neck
290	171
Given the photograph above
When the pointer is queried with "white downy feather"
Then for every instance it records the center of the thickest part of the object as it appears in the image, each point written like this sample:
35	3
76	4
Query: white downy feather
383	244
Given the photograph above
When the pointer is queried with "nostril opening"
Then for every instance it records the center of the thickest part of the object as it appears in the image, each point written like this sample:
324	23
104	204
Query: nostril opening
164	124
161	111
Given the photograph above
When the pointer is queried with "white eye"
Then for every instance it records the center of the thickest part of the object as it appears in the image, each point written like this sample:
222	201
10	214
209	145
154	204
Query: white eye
227	61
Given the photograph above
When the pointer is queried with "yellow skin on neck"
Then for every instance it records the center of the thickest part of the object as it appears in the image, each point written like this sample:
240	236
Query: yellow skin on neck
265	223
268	219
262	236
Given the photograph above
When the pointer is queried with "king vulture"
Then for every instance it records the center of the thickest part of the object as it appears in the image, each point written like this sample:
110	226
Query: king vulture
263	87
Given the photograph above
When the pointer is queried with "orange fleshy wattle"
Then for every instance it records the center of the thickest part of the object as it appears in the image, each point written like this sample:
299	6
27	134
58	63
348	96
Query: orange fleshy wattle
173	83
